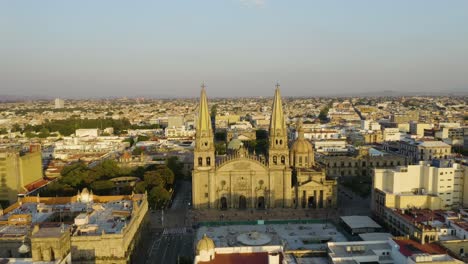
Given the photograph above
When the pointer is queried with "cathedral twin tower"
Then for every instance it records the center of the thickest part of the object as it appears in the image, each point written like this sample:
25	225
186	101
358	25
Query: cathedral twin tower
243	180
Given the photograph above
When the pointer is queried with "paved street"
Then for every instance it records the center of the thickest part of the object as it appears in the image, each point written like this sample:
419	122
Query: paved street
350	203
173	237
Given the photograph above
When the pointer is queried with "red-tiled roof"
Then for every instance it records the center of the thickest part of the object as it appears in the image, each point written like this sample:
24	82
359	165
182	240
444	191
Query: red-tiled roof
244	258
409	247
462	224
421	216
36	184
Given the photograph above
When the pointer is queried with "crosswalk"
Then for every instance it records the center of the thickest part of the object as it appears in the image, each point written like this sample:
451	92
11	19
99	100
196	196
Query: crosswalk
174	231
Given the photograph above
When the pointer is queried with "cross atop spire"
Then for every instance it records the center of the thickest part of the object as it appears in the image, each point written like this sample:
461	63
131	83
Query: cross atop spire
277	85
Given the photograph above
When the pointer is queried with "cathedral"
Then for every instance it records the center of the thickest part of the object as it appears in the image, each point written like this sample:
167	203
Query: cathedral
286	178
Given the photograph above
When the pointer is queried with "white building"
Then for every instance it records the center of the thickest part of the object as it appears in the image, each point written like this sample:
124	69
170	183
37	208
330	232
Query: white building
59	103
439	185
391	134
391	251
417	129
87	132
370	125
331	146
175	121
179	132
241	125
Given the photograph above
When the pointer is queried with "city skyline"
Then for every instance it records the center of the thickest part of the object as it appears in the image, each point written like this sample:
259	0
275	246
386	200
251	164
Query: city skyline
241	48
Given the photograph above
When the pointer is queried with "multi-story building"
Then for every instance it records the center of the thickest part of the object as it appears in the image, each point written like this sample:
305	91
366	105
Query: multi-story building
373	137
331	147
417	129
405	117
317	134
179	132
18	169
59	103
439	185
422	150
391	134
87	132
370	125
396	250
359	164
175	121
223	121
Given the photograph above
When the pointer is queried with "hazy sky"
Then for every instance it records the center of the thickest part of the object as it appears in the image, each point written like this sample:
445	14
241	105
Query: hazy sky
239	47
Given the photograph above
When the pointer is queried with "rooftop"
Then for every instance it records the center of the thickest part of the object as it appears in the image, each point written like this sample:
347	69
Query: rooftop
359	221
409	247
91	218
292	236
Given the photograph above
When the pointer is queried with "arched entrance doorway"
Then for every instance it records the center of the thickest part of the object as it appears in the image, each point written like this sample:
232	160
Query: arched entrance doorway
261	202
311	202
242	202
223	203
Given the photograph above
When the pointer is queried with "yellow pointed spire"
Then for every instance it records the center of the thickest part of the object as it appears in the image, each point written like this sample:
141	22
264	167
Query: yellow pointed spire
204	120
277	117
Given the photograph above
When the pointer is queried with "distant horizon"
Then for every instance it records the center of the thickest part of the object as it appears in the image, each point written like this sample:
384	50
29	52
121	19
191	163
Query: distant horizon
386	93
109	48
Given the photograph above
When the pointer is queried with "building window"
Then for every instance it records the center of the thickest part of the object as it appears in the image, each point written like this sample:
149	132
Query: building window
200	161
206	195
283	160
208	161
275	160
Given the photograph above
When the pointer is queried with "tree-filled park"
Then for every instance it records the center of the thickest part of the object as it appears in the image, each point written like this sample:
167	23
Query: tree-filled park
156	180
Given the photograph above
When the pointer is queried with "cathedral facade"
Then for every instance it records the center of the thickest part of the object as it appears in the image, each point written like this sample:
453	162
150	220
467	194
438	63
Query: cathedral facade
286	178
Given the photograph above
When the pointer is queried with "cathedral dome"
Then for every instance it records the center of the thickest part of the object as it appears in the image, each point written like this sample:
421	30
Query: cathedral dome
301	154
205	244
301	145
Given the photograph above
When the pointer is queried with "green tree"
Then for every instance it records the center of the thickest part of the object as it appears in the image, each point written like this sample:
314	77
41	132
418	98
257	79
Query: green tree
323	116
166	174
220	148
154	178
104	187
107	169
30	134
220	135
175	166
44	133
141	187
158	197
